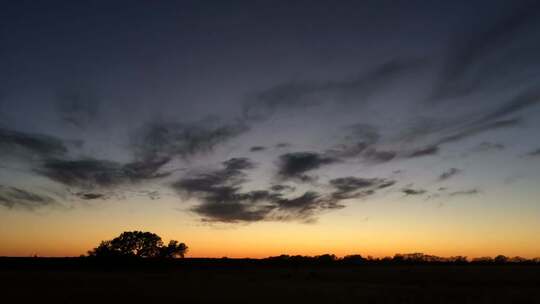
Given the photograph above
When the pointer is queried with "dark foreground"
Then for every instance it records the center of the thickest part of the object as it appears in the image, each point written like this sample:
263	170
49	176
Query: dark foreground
233	281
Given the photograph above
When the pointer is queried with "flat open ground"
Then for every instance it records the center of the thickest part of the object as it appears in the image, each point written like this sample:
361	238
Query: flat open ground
186	282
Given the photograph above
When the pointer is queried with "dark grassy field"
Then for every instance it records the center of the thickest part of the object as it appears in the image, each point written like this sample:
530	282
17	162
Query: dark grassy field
205	281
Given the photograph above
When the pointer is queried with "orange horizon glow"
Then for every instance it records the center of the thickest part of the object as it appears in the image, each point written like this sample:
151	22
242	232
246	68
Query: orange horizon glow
400	227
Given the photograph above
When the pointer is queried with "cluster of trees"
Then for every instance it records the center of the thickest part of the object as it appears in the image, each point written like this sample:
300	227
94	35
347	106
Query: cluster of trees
138	244
409	258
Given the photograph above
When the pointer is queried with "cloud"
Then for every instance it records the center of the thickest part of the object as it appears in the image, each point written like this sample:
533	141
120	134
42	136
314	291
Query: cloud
257	148
22	144
307	204
92	173
282	188
501	117
219	191
298	95
534	153
474	59
426	151
475	129
355	187
13	197
449	173
295	165
522	101
465	192
222	199
162	139
90	196
411	191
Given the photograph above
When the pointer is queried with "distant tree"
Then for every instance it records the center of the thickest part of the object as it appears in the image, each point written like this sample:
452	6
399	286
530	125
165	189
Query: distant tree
500	259
326	258
458	259
353	259
173	250
138	244
482	260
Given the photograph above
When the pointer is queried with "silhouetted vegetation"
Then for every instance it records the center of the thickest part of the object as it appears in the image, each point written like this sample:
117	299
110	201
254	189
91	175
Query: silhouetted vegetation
138	244
397	259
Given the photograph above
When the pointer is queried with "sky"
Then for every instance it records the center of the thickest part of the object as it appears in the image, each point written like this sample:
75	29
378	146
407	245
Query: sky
259	128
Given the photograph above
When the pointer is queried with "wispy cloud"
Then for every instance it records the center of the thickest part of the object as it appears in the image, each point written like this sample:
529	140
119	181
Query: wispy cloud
449	173
257	148
355	187
21	144
412	191
297	95
170	139
473	191
13	197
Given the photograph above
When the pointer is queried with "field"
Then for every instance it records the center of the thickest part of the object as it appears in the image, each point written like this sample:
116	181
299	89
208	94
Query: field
68	281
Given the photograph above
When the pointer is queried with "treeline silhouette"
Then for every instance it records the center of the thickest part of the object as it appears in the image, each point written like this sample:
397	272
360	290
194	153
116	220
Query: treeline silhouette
132	245
399	259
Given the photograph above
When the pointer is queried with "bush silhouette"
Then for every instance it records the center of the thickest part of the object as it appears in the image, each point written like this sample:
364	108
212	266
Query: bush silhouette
138	244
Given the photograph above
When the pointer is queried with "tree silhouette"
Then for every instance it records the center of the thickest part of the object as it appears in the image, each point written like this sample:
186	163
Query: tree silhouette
173	250
138	244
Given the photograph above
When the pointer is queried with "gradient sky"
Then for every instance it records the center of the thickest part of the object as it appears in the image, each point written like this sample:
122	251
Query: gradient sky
256	128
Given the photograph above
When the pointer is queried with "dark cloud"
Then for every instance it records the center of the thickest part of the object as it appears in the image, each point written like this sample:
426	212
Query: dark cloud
232	212
220	193
501	117
94	173
160	139
475	129
31	144
257	148
13	197
355	187
534	153
306	204
222	199
295	165
297	95
474	60
426	151
465	192
236	165
411	191
522	101
449	173
282	188
91	196
87	173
